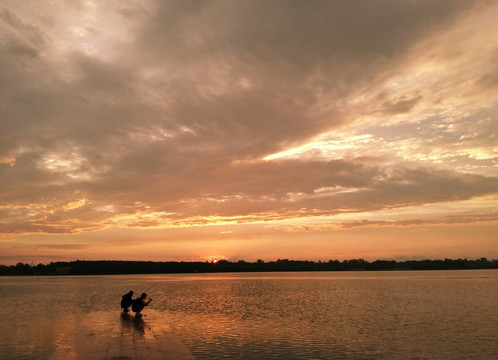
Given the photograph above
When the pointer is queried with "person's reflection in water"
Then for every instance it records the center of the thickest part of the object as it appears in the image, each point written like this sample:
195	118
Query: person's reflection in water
130	322
139	325
126	320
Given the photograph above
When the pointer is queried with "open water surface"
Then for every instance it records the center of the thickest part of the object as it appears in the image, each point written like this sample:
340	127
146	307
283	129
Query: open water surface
301	315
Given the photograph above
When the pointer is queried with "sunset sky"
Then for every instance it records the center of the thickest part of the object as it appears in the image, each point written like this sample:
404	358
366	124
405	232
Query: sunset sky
195	130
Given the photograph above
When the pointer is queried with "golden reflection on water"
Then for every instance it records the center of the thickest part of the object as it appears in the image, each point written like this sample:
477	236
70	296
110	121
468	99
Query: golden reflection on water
368	315
109	334
253	316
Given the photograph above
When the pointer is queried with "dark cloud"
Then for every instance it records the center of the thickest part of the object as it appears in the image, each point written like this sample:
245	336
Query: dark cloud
260	191
490	79
400	105
454	219
295	33
287	52
178	119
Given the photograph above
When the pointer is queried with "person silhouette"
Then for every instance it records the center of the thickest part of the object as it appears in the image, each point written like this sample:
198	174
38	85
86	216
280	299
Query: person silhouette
139	303
126	301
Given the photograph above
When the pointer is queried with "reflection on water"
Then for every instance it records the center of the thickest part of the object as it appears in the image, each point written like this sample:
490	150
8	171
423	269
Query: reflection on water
133	323
360	315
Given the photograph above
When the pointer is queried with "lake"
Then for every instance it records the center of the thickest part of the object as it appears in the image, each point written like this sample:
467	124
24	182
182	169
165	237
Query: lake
298	315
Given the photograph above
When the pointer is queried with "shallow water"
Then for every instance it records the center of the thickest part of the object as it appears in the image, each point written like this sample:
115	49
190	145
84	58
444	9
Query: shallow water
304	315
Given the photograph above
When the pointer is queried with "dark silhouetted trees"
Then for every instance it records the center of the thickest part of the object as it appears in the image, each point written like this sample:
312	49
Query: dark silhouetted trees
109	267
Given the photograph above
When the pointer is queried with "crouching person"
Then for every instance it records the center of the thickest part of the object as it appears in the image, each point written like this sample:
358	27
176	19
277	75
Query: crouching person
126	301
139	303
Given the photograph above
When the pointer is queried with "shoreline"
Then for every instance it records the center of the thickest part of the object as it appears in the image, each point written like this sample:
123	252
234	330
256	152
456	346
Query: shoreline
116	267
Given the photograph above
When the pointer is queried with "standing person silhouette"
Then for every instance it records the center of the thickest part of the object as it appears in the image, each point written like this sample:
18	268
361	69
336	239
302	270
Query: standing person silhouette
126	301
139	303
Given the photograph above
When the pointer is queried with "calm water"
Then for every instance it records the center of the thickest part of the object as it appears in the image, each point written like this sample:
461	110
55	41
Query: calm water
340	315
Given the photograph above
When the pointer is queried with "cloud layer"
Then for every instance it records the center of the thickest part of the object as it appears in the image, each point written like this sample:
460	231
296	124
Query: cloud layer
169	114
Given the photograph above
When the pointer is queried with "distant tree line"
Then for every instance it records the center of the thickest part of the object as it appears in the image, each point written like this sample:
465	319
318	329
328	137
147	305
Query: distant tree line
109	267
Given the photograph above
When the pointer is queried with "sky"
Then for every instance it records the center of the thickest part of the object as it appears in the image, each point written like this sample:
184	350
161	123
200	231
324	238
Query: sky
245	130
